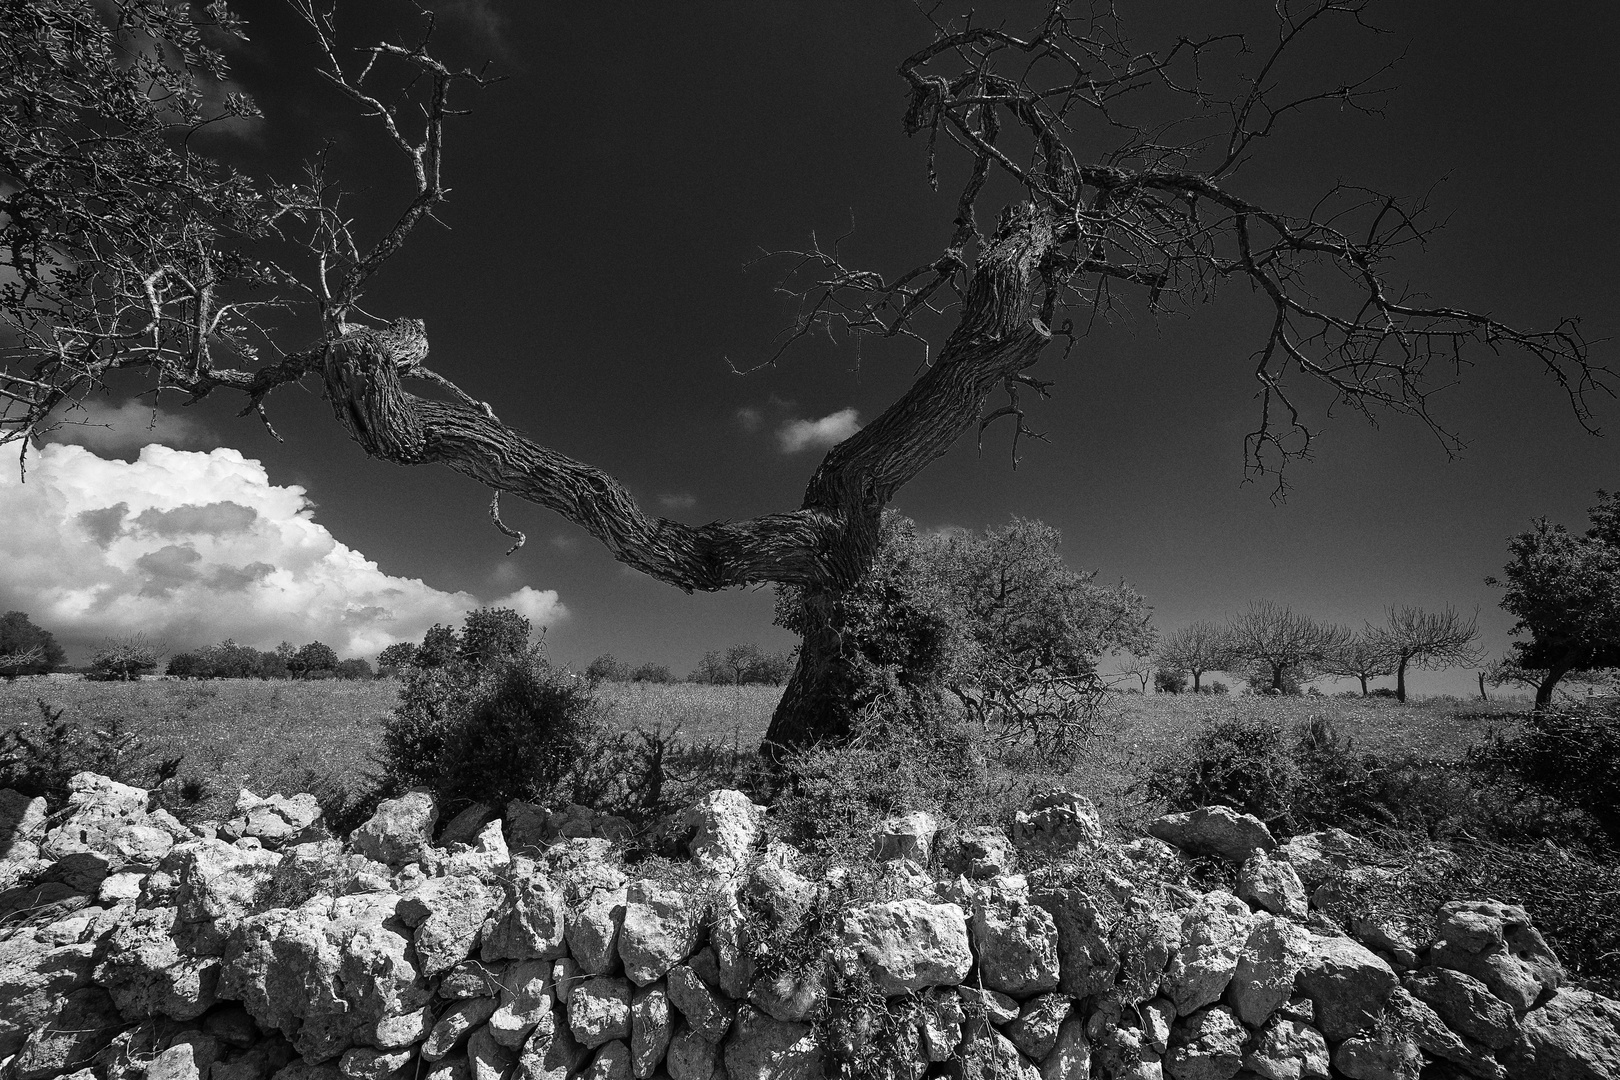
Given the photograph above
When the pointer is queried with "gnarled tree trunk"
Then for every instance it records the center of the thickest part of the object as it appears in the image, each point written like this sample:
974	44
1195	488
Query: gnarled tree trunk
824	546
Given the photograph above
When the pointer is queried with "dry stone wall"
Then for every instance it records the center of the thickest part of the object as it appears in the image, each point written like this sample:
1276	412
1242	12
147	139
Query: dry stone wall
520	946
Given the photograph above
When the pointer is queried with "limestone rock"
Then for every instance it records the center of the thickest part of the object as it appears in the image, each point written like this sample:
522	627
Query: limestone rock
526	1002
1347	984
1208	1045
939	1024
909	945
791	997
1575	1035
400	832
147	974
1088	963
581	867
1144	942
470	978
528	923
364	1063
1158	1017
907	836
102	816
981	851
1120	1053
1416	1021
1272	884
395	1031
661	928
593	931
22	824
84	1022
1213	933
1272	957
994	1006
275	821
762	1048
692	1057
1035	1032
1466	1005
986	1052
650	1029
447	914
612	1062
216	886
466	825
36	975
728	936
1215	830
486	859
1057	823
457	1024
488	1059
1288	1050
1388	1057
1496	944
1070	1056
525	827
599	1011
1318	856
709	1014
725	827
1017	947
556	1056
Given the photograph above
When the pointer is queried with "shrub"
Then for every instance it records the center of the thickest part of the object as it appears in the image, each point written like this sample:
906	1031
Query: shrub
40	758
124	659
26	649
1569	752
1169	681
1245	764
652	673
313	661
492	635
395	658
606	668
354	668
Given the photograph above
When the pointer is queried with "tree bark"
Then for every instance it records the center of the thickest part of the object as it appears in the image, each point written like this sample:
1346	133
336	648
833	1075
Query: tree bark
1544	691
824	546
1400	680
1363	679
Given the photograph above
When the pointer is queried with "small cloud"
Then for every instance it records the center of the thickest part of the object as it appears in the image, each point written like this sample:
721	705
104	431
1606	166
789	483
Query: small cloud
564	542
750	419
798	435
677	502
124	428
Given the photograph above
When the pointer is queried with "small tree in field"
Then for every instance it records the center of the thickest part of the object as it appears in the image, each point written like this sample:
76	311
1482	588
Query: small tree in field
26	649
1361	657
1196	649
606	668
125	659
1140	668
1412	637
395	658
489	635
1289	648
314	661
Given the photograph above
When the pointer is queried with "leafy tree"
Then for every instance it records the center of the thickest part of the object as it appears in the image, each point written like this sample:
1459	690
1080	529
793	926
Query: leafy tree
606	668
1285	647
440	648
354	668
1564	590
124	250
125	659
314	661
1196	649
491	634
1362	656
652	673
1169	680
1412	637
396	657
26	649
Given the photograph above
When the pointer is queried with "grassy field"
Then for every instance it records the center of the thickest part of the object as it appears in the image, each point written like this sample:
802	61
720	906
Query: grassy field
290	736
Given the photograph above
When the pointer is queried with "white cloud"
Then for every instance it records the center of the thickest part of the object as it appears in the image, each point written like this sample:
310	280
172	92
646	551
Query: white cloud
797	435
191	548
123	428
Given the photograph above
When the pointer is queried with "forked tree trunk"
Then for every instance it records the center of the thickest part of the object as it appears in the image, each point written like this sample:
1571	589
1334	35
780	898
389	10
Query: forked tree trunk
824	546
1363	678
1544	690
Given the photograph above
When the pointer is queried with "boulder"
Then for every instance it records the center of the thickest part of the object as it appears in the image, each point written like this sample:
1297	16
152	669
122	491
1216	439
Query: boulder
1378	1057
178	1062
908	945
215	886
661	928
1208	1045
1466	1005
36	975
986	1052
1269	883
593	928
99	817
22	824
486	859
1574	1035
364	1063
1496	944
81	1024
488	1059
1213	933
1144	941
1318	856
1087	961
1120	1053
525	827
557	1056
1419	1023
525	1003
1288	1050
528	921
581	867
470	978
707	1013
447	914
466	825
733	949
1215	830
1158	1018
396	1031
1070	1056
650	1028
791	996
980	851
724	826
599	1011
1017	947
1272	957
400	832
692	1057
612	1062
996	1007
1035	1031
147	975
456	1025
907	836
939	1018
1347	984
276	821
763	1048
1058	823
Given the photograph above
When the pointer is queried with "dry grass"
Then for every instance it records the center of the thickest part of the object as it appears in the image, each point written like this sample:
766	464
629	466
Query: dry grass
704	714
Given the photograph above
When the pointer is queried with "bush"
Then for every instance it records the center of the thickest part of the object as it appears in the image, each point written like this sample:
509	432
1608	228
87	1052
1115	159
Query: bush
355	668
394	659
1245	764
1169	681
606	668
40	758
652	673
125	659
26	649
1570	753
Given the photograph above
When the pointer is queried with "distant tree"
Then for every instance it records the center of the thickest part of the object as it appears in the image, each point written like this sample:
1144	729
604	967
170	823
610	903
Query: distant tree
399	655
1169	680
1140	668
489	635
125	659
741	661
606	668
652	673
314	661
1564	590
1284	646
772	669
440	647
1361	656
26	649
711	670
1412	637
1196	649
186	665
354	668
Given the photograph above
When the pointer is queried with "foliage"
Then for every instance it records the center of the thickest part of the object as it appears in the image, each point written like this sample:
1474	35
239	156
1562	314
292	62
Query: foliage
26	649
1564	592
606	668
652	673
39	758
399	655
1284	647
313	661
1169	680
441	647
228	660
493	635
743	664
353	668
1569	752
124	659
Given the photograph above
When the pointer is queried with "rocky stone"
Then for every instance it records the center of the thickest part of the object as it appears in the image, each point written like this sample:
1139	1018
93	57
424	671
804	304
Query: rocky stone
994	1006
456	1068
395	1031
565	975
708	1013
906	836
100	816
216	886
1088	963
1208	1045
400	832
466	825
1269	883
147	974
1288	1050
612	1062
526	1002
724	827
178	1062
1058	823
81	1024
1070	1056
1347	984
1419	1023
592	930
231	1025
650	1028
1466	1005
1017	947
470	978
939	1024
599	1011
121	887
986	1052
557	1056
458	1022
488	1059
1496	944
447	914
661	928
486	858
528	923
1215	830
1213	933
1574	1035
1378	1057
908	945
733	951
692	1057
1035	1031
1318	856
763	1048
275	821
788	996
1158	1017
1272	956
526	827
581	867
364	1063
22	824
36	975
1121	1053
1144	941
980	851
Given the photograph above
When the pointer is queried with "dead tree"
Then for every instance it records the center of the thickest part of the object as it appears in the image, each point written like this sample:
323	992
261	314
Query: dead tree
1115	163
1283	644
1412	637
1197	649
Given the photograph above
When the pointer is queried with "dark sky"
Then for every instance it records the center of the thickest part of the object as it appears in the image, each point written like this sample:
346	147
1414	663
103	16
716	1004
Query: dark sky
591	285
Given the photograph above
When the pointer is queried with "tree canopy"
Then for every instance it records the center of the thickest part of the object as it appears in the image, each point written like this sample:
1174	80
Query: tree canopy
26	649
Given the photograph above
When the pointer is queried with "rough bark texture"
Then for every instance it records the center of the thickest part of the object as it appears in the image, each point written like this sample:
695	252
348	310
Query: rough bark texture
825	545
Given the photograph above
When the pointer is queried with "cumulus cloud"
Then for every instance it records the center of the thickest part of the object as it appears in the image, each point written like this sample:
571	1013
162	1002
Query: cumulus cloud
797	435
124	428
191	548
